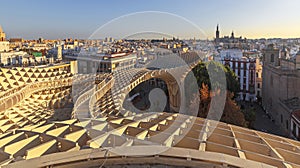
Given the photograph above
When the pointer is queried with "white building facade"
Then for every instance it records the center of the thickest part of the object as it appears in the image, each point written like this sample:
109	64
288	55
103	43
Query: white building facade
245	70
13	58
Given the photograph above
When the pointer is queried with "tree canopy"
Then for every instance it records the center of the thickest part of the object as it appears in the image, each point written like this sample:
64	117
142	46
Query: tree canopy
208	89
203	76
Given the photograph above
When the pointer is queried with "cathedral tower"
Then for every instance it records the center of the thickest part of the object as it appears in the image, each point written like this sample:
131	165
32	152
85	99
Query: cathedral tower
2	34
217	33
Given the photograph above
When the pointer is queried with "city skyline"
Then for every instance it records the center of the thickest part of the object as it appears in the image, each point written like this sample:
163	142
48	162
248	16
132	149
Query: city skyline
149	83
76	19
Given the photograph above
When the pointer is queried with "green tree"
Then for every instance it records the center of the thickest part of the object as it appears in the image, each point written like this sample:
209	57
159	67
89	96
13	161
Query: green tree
232	82
231	113
203	76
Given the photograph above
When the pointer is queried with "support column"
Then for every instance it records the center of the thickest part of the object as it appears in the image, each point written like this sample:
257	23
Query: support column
174	96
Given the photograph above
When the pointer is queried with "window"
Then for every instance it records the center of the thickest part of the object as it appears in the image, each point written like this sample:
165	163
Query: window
258	85
272	58
258	93
257	74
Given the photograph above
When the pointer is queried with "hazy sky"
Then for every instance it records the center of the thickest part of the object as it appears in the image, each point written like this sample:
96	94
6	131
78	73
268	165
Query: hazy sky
53	19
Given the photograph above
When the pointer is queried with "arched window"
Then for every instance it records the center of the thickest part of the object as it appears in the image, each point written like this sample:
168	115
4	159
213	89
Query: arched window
272	58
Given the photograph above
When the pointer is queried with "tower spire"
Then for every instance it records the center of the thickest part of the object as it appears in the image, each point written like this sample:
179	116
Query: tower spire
217	33
2	34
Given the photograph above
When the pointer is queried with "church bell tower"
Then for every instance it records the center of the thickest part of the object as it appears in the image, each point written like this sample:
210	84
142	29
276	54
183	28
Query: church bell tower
217	33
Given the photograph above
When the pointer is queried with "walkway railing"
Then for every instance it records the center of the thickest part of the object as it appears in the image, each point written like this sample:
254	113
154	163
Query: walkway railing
86	97
87	100
102	89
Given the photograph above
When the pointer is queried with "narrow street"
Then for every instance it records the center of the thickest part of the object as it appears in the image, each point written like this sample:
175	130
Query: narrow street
265	124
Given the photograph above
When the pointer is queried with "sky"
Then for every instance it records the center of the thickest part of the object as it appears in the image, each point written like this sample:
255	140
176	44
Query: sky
59	19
